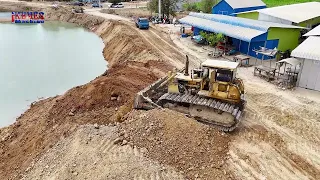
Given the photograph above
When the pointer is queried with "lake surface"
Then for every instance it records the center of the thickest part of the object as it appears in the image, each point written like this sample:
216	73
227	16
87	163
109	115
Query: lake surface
43	60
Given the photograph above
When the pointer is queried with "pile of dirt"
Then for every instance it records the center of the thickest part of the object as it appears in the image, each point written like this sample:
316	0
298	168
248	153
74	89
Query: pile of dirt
96	152
116	90
104	100
124	38
158	144
132	12
195	149
47	134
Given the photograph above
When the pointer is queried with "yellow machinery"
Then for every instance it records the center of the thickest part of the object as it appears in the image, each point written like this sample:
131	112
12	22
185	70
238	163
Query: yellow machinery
211	94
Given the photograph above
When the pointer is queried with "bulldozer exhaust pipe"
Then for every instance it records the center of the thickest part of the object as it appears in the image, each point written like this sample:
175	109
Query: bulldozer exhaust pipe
186	71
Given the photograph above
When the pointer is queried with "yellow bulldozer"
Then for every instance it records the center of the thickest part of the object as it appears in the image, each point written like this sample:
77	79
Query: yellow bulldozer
211	93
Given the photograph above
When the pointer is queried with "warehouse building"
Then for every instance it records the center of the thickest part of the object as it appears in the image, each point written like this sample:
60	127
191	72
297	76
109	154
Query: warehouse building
302	14
246	34
309	53
228	7
314	32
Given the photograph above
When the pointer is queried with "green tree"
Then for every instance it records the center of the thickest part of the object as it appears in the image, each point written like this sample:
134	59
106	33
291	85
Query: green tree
190	7
206	5
167	6
153	6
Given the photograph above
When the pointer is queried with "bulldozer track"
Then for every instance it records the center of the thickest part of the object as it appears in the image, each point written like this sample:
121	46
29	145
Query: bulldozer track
214	104
121	154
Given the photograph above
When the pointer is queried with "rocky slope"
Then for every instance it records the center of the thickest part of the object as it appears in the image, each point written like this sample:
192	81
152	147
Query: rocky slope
31	144
48	120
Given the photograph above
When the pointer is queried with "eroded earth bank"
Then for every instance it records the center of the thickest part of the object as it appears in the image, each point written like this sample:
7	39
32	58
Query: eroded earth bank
91	131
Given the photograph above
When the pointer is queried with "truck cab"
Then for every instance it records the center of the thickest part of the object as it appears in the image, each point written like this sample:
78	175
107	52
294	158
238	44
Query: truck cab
142	23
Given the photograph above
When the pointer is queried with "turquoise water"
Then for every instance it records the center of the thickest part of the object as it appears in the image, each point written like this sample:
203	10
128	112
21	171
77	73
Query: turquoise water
5	14
43	60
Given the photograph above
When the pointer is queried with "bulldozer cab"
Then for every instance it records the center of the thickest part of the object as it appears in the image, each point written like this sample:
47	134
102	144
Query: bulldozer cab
218	76
218	71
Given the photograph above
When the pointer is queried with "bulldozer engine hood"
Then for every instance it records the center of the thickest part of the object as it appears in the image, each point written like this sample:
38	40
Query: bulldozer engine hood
181	76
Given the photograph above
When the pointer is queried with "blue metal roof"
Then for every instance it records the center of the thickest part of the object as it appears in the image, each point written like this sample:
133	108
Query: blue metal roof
231	30
242	22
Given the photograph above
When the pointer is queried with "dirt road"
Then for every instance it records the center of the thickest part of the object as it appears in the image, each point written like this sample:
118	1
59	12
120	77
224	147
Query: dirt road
153	36
279	136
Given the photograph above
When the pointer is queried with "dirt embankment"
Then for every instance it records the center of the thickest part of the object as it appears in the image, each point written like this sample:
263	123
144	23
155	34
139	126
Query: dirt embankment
52	139
130	13
103	100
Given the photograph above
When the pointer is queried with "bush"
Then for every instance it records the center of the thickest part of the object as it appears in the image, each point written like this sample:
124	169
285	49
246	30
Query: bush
206	5
190	7
212	38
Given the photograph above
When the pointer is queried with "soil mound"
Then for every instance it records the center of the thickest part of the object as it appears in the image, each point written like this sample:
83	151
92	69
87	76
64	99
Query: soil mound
193	148
95	152
104	100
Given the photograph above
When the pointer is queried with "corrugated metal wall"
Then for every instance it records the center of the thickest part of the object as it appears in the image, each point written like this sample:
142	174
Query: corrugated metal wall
249	15
310	75
288	38
222	8
256	43
196	31
248	9
265	17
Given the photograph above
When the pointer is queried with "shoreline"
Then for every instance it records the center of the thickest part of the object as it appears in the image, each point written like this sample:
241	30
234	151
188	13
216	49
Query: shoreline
91	131
69	80
132	65
98	27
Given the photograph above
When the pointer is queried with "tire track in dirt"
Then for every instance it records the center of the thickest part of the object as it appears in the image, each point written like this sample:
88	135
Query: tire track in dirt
169	53
299	118
180	53
283	144
98	153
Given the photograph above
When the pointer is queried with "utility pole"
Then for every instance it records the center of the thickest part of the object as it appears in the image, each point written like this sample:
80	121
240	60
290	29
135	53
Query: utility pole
159	9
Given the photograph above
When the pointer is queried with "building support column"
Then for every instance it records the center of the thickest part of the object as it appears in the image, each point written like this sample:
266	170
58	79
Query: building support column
249	48
159	9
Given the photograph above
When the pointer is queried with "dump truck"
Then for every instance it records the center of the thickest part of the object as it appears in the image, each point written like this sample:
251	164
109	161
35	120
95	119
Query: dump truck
211	94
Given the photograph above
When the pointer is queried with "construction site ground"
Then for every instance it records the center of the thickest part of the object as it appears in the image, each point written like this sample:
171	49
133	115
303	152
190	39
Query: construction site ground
91	131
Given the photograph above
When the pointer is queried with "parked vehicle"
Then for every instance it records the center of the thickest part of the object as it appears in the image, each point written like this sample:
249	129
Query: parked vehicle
116	5
142	23
94	5
55	5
